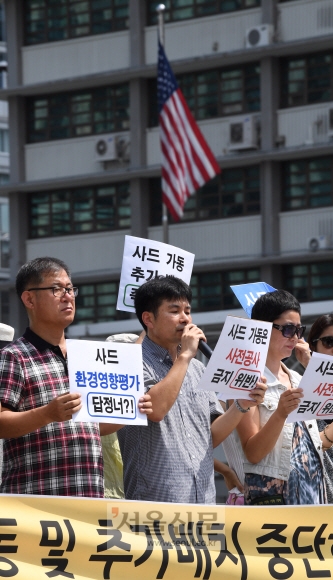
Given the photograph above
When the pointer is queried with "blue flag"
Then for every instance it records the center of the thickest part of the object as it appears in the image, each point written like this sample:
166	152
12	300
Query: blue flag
247	294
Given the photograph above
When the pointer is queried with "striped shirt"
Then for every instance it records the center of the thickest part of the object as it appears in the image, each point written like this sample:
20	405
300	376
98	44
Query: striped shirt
172	461
62	458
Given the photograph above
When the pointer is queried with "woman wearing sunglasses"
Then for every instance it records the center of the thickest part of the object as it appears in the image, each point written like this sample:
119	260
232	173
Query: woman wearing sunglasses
320	340
284	461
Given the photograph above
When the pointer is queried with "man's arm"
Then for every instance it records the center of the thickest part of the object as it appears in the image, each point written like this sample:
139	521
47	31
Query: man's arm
16	424
164	393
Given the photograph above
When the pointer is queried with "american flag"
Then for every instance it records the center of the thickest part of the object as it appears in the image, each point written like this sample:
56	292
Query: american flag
187	161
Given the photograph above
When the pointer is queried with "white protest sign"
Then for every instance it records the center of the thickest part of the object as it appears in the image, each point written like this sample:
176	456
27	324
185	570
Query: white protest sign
146	259
238	359
317	402
109	378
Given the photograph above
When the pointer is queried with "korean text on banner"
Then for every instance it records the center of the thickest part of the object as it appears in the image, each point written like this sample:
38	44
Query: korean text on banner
248	294
238	359
146	259
80	538
317	402
109	378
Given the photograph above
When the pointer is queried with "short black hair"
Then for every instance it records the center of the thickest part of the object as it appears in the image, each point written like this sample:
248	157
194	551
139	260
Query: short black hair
32	273
270	306
149	296
317	328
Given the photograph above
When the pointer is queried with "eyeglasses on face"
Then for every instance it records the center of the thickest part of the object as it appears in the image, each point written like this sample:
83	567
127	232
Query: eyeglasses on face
289	330
60	291
327	341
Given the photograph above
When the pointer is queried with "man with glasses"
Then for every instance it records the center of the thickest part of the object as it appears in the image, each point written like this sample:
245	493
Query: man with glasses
45	451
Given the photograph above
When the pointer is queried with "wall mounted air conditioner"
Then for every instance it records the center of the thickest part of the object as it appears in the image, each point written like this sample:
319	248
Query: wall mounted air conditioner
318	243
243	133
123	147
330	123
261	35
105	148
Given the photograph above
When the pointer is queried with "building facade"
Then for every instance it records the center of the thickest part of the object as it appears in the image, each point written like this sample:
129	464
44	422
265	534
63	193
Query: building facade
85	157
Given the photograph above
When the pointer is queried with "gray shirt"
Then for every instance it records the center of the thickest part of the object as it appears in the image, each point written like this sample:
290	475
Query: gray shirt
172	461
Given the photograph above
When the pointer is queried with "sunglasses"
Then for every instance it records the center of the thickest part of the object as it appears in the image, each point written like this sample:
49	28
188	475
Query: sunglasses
289	330
327	341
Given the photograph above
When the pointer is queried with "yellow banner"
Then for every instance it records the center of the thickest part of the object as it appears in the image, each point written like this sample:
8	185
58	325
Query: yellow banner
46	537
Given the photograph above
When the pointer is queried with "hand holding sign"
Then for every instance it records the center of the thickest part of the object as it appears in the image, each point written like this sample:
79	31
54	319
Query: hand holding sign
238	360
256	395
317	384
62	408
109	378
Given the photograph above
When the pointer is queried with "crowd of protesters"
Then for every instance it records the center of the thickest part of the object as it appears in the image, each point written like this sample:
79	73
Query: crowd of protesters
171	459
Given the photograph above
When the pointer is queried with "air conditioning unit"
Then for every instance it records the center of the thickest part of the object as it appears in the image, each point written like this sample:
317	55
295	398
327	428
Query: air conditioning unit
105	148
330	123
318	243
243	133
261	35
123	147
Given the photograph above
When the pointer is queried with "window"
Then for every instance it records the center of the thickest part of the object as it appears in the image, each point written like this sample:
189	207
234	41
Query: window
235	192
4	178
79	211
4	141
307	80
97	303
216	93
176	10
310	282
66	115
308	183
52	20
211	290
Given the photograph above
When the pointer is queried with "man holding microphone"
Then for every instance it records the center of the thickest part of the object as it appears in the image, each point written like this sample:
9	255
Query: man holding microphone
171	460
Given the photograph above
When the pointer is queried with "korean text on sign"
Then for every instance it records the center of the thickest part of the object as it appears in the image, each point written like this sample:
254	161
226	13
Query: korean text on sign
317	385
239	358
248	294
144	260
109	380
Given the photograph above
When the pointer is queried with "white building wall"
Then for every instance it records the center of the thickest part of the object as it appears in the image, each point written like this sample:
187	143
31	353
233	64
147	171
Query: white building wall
76	57
305	125
215	240
201	37
83	253
297	227
63	158
305	18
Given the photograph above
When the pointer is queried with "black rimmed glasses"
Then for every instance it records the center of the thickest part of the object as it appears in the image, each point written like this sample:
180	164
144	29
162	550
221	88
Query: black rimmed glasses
327	341
60	291
289	330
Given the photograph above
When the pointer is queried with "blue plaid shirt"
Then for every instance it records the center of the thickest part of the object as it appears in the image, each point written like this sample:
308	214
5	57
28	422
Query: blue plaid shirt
172	461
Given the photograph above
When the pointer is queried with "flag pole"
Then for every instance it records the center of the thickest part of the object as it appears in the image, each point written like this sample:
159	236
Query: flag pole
160	16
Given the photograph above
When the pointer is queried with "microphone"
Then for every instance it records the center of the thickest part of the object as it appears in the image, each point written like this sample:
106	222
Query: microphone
204	348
